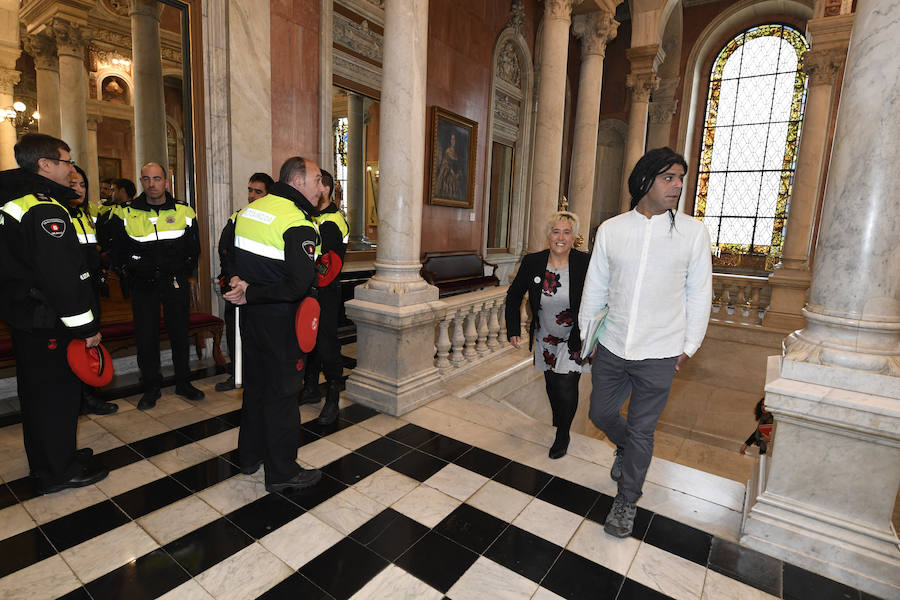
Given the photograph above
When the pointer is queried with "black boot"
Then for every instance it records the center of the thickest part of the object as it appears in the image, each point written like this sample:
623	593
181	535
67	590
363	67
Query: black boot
92	405
560	444
311	393
329	412
564	401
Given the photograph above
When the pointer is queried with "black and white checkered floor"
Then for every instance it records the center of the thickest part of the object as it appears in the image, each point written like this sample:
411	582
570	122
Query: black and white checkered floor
457	499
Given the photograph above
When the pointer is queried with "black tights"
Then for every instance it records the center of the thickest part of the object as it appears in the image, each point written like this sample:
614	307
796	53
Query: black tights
562	390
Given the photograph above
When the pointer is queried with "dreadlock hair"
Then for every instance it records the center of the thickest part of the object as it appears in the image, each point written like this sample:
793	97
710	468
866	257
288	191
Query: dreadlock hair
654	163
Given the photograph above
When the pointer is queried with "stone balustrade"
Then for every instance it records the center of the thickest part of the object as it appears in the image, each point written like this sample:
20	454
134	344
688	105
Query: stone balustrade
741	299
468	328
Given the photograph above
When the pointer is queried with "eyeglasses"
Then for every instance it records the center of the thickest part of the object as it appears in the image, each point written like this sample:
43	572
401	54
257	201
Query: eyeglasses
71	161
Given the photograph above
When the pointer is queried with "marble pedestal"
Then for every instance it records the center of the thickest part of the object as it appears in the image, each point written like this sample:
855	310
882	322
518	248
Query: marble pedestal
833	476
395	345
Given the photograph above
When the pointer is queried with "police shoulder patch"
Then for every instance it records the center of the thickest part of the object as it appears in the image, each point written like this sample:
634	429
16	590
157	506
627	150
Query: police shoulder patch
54	227
309	247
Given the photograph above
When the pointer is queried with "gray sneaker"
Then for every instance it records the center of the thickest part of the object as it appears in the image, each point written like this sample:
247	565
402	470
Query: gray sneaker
616	471
620	520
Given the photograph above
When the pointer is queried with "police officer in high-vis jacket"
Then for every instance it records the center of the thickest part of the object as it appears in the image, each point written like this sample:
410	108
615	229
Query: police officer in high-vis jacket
156	245
274	256
47	301
333	231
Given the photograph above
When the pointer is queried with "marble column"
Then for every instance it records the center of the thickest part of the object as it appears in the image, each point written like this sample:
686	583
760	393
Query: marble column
642	81
92	168
827	500
595	30
70	41
355	192
791	278
8	79
395	332
551	104
46	66
146	69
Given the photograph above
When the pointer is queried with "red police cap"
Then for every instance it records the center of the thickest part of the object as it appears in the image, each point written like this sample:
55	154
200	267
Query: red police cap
329	267
306	324
94	366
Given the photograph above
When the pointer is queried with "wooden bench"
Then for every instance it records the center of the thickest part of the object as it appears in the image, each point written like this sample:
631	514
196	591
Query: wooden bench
117	328
457	272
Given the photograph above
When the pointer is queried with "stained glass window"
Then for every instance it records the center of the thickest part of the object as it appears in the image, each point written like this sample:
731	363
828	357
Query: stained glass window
757	93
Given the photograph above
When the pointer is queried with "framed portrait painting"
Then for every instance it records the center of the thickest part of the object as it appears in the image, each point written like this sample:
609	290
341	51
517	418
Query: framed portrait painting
452	143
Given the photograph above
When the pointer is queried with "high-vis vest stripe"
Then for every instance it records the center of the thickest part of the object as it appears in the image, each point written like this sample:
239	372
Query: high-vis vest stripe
18	207
84	229
338	219
148	226
259	228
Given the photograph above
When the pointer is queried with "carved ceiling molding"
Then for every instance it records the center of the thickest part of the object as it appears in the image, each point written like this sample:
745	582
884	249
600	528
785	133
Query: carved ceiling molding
354	69
372	10
358	38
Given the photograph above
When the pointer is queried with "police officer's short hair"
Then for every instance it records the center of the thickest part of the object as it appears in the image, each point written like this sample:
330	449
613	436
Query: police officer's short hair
328	181
295	165
264	179
127	185
35	146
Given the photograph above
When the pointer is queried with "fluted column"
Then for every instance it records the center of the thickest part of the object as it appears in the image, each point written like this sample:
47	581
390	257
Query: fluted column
791	278
46	66
395	370
146	68
8	79
355	192
595	30
92	168
70	41
642	81
551	104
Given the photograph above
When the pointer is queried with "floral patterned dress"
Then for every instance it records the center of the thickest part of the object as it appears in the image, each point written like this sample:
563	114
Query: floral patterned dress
551	350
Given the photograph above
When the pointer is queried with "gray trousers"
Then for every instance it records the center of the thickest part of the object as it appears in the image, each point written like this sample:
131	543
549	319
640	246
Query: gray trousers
648	382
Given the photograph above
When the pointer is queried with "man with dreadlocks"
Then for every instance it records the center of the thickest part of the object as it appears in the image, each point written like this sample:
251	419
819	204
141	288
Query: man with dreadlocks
652	268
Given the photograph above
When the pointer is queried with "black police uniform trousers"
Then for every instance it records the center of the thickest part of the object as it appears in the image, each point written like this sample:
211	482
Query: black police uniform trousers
50	399
326	357
229	333
176	306
273	367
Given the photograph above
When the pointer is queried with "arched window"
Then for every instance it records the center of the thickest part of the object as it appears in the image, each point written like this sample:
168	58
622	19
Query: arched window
754	111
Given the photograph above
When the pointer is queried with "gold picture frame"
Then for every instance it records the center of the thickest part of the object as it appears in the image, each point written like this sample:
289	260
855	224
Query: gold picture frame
452	144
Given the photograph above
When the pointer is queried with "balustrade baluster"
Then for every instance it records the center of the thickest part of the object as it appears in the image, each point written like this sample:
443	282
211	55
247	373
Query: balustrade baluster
501	317
443	343
471	333
481	323
493	325
458	339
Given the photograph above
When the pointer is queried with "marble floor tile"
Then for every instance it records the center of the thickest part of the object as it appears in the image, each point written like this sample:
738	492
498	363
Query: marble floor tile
394	583
720	587
52	506
13	520
386	486
320	452
175	520
181	458
347	510
301	540
100	441
353	437
129	477
235	492
456	482
548	521
672	575
14	467
487	579
426	505
500	500
245	574
108	551
50	578
189	590
706	486
708	516
545	594
221	443
180	418
383	424
130	426
614	553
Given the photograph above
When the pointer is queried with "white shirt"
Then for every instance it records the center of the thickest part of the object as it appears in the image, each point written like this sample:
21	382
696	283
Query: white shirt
656	280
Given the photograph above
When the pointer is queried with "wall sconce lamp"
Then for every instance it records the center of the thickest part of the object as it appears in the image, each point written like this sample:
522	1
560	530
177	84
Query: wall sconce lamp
18	119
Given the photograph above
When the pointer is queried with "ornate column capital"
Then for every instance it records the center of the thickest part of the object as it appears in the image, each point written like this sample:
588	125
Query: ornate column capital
93	121
70	37
661	112
822	66
595	30
641	85
145	8
559	9
516	18
42	48
8	79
